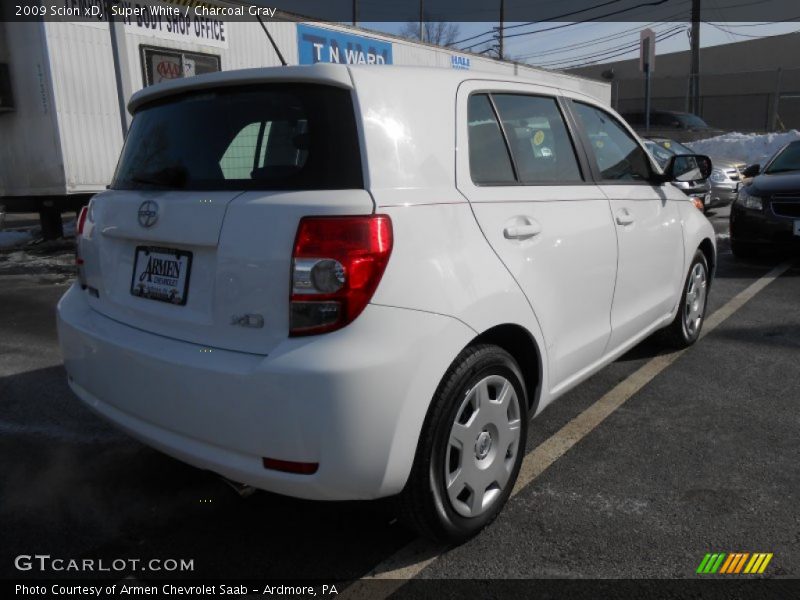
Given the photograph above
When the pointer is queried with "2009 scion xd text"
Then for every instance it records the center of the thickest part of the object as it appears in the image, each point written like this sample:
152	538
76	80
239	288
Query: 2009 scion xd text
308	280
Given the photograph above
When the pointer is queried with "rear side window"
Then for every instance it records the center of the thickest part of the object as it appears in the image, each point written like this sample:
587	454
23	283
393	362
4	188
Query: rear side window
540	143
618	156
488	156
269	137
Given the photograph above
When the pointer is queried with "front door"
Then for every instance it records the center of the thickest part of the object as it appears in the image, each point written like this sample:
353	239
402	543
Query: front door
647	222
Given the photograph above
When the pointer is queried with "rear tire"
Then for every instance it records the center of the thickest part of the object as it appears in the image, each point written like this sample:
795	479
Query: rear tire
688	323
470	449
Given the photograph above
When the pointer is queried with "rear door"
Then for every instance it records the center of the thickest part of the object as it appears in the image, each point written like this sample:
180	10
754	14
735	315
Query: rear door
646	219
194	240
546	221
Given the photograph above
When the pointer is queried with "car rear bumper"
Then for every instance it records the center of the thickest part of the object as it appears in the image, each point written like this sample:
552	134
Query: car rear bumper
352	401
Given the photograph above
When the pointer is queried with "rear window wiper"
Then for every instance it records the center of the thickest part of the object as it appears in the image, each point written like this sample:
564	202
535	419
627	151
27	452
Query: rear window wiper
173	177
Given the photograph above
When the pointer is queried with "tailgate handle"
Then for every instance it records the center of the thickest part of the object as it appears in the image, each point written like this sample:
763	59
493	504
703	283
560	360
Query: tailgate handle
521	232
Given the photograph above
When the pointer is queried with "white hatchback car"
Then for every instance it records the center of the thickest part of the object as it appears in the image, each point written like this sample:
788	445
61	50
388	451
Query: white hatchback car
339	282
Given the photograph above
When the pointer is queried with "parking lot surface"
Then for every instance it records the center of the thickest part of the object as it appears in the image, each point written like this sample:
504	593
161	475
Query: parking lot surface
703	458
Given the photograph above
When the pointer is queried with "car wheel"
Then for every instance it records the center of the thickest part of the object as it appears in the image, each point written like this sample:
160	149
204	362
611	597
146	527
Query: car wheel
685	328
470	449
743	250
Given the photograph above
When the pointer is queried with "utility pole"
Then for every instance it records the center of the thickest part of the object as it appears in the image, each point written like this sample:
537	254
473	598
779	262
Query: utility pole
501	52
421	21
694	102
119	56
355	12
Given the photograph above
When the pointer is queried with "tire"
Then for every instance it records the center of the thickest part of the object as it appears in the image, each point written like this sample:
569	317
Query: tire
688	323
468	441
743	250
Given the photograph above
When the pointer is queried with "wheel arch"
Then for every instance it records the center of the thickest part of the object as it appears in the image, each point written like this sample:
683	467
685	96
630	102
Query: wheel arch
521	345
708	250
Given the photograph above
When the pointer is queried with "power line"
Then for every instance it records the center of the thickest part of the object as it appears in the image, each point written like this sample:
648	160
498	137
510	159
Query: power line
569	14
627	47
730	25
600	58
611	14
748	35
594	41
596	18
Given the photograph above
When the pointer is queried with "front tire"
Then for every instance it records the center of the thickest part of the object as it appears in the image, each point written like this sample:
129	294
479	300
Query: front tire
470	449
685	328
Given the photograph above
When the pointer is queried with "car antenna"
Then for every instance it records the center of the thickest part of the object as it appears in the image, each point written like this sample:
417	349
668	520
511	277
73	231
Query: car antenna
271	41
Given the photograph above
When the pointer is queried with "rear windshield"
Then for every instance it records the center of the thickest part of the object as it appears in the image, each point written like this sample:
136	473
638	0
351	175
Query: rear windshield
273	137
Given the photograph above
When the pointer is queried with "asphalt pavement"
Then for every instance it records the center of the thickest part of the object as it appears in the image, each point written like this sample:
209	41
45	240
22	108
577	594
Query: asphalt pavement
704	458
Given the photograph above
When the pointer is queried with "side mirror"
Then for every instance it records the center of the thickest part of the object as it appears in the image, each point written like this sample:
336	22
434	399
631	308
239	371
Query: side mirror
752	171
688	167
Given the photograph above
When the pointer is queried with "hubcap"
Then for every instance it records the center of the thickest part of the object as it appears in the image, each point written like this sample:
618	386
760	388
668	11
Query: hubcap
695	307
483	446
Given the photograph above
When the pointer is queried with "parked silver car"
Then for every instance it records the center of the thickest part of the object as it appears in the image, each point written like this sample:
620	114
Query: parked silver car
726	177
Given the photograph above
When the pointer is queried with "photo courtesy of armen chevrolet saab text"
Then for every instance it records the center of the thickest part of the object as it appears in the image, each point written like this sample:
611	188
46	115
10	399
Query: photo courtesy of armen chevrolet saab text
311	281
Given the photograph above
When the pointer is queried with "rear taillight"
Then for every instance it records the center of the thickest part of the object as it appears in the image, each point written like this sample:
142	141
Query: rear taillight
336	267
78	233
81	220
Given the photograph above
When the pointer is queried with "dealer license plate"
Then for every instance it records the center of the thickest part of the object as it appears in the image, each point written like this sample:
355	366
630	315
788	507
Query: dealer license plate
161	274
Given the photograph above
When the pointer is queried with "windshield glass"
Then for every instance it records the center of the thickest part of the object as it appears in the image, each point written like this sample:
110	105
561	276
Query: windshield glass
268	137
674	147
787	159
693	122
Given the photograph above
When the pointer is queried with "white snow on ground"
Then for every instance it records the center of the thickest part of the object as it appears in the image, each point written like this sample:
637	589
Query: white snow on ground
18	237
748	147
9	239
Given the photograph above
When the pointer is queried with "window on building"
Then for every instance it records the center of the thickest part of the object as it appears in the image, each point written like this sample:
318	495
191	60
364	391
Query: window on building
164	64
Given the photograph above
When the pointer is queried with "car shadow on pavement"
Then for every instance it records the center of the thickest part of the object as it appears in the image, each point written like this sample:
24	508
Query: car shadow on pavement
74	486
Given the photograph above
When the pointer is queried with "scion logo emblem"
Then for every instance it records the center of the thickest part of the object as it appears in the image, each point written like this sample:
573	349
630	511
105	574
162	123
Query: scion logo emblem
148	213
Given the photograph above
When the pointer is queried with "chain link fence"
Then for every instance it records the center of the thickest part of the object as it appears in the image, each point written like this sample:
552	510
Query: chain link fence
746	101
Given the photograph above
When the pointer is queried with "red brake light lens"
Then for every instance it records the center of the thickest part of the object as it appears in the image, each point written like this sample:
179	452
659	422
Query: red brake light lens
336	267
81	220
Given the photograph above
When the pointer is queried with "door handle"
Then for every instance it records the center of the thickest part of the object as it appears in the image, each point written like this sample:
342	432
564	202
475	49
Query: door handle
624	217
521	232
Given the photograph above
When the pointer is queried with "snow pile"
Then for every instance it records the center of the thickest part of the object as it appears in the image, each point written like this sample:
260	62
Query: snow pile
750	148
48	258
8	239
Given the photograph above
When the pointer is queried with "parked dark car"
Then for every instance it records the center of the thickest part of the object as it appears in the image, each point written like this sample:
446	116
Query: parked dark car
766	213
662	149
680	126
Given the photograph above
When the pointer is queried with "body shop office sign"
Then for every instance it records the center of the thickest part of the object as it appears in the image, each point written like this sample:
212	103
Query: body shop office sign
315	44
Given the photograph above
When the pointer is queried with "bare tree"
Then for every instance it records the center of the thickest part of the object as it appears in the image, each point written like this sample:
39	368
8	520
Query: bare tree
441	33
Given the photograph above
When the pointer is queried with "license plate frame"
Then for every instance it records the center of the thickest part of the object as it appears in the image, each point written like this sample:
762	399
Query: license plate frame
162	290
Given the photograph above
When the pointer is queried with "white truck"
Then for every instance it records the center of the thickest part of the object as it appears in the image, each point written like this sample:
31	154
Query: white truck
62	116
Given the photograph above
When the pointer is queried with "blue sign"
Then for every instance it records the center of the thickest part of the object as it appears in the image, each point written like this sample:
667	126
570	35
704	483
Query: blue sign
460	62
315	44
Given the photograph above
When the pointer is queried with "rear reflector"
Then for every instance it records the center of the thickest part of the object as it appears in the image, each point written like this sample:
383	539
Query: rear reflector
336	267
288	466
